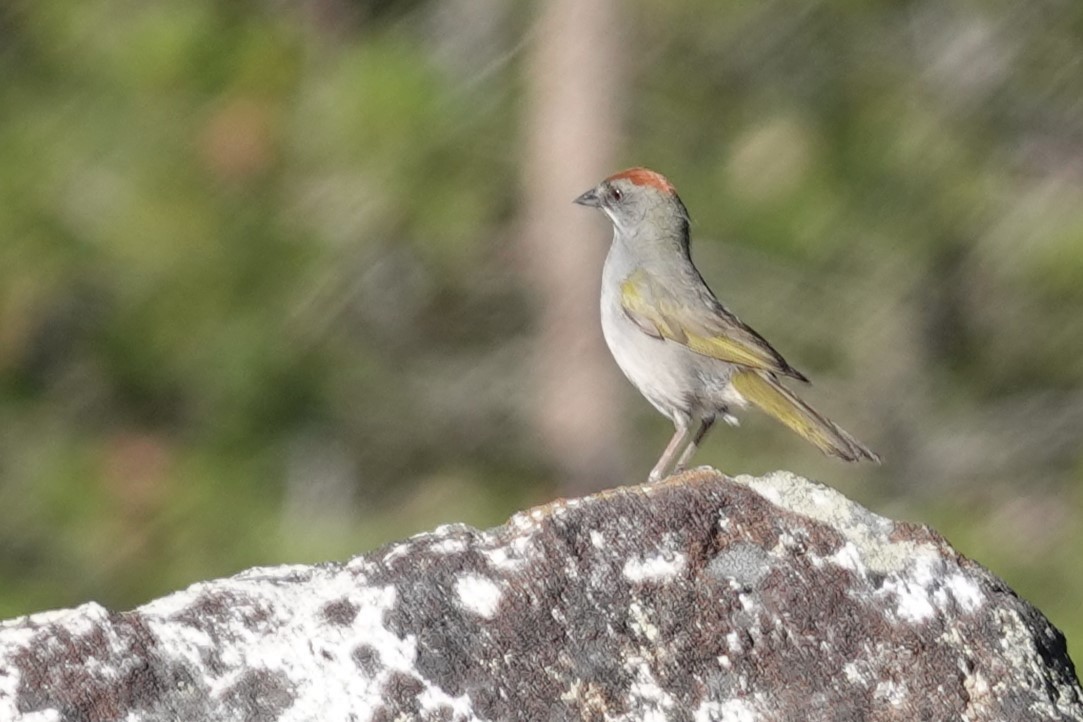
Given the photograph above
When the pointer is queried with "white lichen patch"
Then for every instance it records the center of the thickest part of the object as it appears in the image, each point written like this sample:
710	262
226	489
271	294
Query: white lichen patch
524	521
847	557
509	554
24	633
564	505
890	692
916	575
522	546
20	628
284	572
928	588
48	715
913	603
656	568
448	546
397	551
478	594
976	686
732	710
186	642
501	558
641	624
966	593
867	531
435	699
285	630
853	675
647	696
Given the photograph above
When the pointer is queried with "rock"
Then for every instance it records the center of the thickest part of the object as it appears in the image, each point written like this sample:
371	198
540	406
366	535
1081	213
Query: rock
701	598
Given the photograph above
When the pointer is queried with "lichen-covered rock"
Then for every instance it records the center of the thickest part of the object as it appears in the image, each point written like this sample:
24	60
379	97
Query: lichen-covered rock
701	598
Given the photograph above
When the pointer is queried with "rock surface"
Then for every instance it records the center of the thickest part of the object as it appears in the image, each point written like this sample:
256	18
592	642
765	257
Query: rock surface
701	598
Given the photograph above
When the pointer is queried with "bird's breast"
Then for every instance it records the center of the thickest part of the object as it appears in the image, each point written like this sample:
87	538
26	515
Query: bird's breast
675	379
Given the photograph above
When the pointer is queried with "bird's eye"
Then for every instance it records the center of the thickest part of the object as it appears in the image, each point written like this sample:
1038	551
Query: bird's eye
615	194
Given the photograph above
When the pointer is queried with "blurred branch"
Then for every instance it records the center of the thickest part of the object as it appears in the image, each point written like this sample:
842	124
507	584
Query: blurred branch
574	88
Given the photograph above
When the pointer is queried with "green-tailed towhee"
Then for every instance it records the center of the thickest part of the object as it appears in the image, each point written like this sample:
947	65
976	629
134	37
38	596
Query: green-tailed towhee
694	360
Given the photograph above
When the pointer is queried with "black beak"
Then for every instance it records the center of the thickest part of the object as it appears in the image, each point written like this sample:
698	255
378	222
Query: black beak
590	198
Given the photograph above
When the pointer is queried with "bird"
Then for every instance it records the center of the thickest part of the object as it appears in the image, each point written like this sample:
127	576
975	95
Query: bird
693	359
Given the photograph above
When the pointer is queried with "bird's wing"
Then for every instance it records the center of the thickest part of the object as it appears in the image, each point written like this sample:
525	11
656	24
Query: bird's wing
703	325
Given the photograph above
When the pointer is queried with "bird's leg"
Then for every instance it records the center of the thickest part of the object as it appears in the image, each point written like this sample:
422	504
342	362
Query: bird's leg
676	444
704	426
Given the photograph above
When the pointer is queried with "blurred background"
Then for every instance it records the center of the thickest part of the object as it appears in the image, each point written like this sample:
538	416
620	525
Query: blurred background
283	281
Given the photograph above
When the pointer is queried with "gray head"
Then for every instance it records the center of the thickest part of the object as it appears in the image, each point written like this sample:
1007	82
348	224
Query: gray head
642	204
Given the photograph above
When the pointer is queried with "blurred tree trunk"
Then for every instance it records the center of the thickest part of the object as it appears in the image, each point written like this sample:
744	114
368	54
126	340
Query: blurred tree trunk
572	128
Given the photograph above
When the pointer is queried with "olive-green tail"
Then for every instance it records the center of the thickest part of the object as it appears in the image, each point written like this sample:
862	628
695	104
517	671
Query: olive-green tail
776	400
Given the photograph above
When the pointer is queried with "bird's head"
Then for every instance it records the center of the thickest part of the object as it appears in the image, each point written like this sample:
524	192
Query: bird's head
638	199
